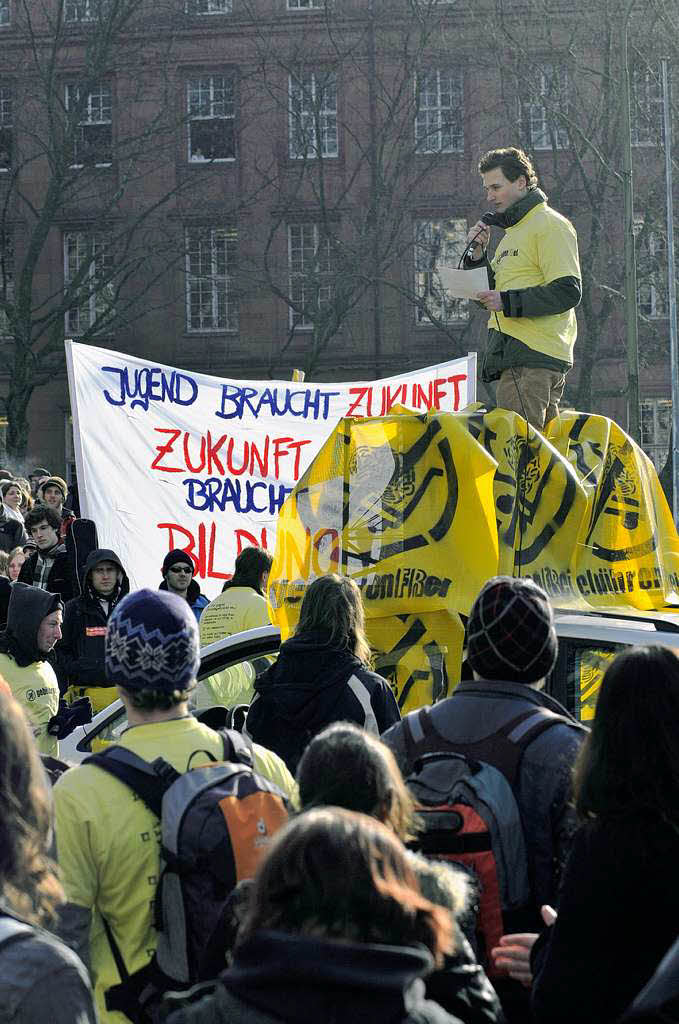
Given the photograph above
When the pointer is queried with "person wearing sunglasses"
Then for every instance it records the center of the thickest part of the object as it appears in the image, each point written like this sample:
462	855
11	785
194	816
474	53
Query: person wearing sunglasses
178	578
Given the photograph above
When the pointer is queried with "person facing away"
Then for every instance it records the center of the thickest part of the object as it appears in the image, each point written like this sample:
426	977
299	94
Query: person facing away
48	567
40	978
535	286
80	653
345	766
107	844
618	905
314	948
321	675
241	604
177	570
511	648
33	628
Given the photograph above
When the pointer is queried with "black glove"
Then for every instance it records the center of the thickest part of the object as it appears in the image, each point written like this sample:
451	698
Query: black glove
69	716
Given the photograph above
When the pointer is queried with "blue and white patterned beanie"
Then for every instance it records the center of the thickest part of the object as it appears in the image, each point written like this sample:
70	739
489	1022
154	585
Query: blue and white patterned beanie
152	642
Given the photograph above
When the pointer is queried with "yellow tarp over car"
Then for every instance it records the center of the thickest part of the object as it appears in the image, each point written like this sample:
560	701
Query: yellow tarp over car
420	510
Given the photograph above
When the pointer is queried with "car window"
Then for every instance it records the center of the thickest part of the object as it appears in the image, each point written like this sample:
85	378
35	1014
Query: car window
233	685
577	676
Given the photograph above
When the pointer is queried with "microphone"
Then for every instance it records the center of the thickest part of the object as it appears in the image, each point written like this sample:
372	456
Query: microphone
492	219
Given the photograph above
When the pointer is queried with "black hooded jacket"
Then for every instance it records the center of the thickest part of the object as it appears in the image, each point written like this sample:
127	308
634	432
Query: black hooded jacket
310	686
59	579
12	533
276	976
28	606
80	654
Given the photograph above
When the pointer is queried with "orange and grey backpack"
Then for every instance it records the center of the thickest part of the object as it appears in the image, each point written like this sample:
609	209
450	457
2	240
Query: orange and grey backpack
217	821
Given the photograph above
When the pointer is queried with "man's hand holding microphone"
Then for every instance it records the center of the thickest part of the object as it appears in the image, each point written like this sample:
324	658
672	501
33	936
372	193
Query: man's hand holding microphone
478	238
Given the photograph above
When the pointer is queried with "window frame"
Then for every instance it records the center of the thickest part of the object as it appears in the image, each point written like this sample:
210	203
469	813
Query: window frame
646	107
311	5
94	300
5	6
7	265
195	82
80	146
542	141
652	250
319	278
422	277
659	447
92	9
298	121
190	5
214	280
424	111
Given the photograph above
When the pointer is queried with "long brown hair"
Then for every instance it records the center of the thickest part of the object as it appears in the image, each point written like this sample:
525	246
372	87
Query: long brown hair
341	875
27	879
332	606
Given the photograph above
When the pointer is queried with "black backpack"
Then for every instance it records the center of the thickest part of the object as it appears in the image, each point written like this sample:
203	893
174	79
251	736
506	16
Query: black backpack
217	822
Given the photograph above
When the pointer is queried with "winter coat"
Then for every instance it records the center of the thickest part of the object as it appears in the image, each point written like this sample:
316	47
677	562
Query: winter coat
618	913
310	686
80	653
478	709
12	534
300	980
59	580
42	979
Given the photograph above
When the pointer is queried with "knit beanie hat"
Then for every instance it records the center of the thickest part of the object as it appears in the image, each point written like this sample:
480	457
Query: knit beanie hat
152	642
510	631
177	556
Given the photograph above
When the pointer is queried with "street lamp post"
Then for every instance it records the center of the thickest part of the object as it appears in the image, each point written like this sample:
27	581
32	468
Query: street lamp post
671	291
631	326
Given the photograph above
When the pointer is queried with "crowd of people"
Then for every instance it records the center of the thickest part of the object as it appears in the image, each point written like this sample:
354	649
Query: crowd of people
330	860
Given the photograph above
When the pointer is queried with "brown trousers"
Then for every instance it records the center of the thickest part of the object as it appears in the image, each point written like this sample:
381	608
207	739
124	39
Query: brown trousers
532	391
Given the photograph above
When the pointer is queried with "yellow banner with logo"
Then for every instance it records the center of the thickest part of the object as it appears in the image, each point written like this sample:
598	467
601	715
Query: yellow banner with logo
420	510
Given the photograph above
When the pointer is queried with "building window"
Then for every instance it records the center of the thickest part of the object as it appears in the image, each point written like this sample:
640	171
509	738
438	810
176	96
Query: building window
93	133
208	7
651	271
306	5
542	125
439	245
85	10
6	128
4	12
211	303
311	275
313	115
6	283
647	108
438	121
211	108
656	421
88	270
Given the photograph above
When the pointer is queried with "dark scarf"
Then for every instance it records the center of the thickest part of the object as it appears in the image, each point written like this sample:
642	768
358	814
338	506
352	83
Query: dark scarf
513	214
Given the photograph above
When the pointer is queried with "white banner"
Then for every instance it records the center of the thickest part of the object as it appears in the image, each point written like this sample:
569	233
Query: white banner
172	459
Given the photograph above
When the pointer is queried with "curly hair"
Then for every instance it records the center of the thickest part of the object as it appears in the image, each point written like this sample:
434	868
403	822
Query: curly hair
42	513
27	875
512	162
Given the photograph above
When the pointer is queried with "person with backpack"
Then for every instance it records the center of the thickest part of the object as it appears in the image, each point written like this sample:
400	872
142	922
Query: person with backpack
41	979
499	742
109	837
321	675
315	949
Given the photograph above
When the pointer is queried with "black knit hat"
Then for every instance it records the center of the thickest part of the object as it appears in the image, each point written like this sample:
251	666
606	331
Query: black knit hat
177	557
510	632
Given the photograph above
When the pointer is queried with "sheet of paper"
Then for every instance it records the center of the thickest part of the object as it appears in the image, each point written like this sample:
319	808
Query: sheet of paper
464	284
